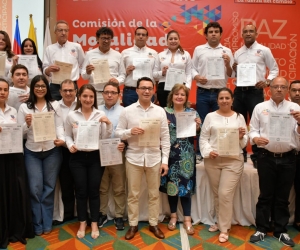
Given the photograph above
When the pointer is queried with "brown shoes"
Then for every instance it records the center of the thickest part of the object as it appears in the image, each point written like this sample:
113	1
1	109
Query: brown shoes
157	232
131	232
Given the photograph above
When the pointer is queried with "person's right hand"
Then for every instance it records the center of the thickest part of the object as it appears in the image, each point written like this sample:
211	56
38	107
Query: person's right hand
213	155
89	68
260	141
200	79
73	149
137	131
51	68
28	120
129	69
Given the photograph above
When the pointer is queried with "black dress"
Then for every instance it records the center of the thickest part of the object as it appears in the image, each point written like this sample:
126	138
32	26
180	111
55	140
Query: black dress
15	210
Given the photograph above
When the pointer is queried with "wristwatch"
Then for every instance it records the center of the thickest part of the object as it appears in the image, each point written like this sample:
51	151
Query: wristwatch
267	83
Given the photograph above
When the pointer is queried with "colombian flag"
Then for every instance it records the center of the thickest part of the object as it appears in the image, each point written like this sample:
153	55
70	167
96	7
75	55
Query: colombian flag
17	39
31	32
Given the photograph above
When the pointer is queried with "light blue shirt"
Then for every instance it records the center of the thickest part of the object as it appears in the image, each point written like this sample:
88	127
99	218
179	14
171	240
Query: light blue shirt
112	114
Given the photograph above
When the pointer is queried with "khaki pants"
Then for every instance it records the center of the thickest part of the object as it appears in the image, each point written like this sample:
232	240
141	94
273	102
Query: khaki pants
134	175
115	175
224	174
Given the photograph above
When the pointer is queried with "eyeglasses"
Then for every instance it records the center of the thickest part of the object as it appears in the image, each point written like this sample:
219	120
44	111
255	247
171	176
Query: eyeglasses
141	34
62	30
295	90
279	87
105	39
248	31
146	88
110	93
40	86
68	90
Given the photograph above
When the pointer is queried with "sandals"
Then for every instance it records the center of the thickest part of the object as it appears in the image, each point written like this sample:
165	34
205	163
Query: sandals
213	228
189	229
95	234
172	226
81	234
223	237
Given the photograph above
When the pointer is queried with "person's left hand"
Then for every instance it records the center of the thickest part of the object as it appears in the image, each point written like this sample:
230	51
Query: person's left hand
163	169
58	142
23	98
296	115
121	146
198	122
242	132
226	59
105	120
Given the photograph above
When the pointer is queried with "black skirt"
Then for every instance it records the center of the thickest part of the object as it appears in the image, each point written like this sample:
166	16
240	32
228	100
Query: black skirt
15	210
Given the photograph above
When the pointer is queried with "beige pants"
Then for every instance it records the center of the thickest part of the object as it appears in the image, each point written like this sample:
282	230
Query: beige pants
134	175
224	174
115	175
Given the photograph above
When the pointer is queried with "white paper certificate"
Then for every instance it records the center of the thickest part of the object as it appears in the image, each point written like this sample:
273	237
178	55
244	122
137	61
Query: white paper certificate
185	124
280	126
228	142
11	138
13	97
87	135
151	135
142	68
2	62
43	127
65	70
30	62
246	74
215	68
109	153
174	76
101	72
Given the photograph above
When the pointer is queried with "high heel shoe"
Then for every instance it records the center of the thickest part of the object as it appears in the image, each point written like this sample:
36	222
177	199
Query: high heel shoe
81	233
189	229
223	237
172	226
95	233
213	228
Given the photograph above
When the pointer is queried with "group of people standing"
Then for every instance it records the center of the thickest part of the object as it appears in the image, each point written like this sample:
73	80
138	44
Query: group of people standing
169	166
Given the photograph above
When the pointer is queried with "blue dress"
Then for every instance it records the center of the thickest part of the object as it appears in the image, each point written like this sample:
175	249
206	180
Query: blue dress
181	178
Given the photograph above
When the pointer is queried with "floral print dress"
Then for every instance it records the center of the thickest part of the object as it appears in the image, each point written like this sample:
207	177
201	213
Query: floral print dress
181	177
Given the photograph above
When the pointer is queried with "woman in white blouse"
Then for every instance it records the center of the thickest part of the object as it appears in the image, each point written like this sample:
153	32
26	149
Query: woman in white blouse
224	168
5	45
85	164
42	159
172	58
15	211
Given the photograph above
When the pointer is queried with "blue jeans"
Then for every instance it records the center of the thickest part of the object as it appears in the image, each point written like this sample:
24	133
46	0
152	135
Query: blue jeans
42	170
129	96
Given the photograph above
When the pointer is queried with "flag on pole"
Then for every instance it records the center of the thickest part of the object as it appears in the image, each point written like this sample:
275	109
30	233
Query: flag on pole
31	32
47	38
17	39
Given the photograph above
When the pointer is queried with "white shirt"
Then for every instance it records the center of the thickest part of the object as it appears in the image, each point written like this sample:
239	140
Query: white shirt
9	115
140	155
181	61
114	63
65	109
200	56
259	124
11	101
129	54
260	55
69	53
8	64
58	119
209	131
74	117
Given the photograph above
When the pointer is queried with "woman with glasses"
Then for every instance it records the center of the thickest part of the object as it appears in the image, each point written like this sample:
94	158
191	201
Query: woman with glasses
172	58
43	158
85	164
224	169
181	178
15	211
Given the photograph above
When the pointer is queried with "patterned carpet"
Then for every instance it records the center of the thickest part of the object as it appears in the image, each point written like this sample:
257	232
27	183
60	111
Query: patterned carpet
64	238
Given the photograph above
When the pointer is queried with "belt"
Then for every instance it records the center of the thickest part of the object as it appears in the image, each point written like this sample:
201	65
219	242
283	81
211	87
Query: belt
209	90
246	88
127	87
279	155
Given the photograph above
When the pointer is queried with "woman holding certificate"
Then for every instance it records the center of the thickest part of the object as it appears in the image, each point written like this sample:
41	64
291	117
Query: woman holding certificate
42	122
6	55
172	66
81	127
15	211
181	178
223	136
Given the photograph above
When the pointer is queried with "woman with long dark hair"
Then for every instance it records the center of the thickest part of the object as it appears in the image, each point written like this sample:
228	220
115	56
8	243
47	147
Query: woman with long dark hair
42	159
5	45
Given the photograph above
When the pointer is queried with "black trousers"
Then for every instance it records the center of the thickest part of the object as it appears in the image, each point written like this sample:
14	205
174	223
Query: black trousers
67	185
87	173
162	95
186	203
297	190
276	177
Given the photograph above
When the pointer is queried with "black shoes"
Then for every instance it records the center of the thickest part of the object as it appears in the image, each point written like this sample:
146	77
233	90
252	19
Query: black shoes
102	220
119	223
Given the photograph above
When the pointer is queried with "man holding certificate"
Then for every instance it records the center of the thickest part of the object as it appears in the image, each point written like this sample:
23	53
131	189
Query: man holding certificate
275	128
114	174
138	61
103	64
68	55
250	65
144	125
